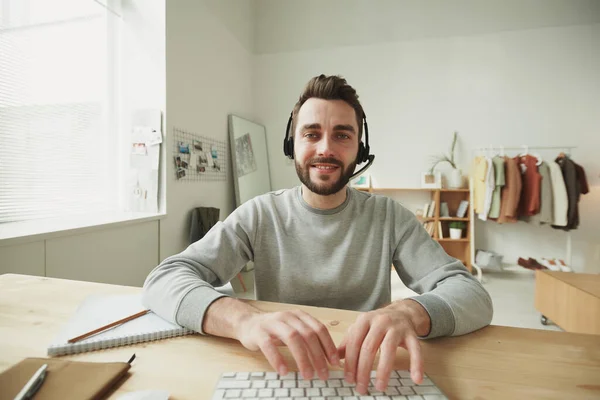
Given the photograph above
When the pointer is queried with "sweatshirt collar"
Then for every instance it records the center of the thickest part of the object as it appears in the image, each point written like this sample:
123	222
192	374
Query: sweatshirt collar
331	211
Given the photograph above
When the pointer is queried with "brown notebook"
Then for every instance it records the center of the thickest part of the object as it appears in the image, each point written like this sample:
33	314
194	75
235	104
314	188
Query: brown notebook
65	380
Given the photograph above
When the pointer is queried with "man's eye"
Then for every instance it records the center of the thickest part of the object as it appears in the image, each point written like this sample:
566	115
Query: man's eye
343	136
310	135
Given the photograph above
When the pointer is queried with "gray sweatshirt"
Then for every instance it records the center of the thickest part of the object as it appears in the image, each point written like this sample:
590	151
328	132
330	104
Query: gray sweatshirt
338	258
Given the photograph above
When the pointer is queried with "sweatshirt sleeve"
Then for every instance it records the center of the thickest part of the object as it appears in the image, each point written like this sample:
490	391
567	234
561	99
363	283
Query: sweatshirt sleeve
455	301
181	288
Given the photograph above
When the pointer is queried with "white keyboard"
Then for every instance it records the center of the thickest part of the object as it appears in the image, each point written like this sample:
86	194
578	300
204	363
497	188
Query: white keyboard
271	386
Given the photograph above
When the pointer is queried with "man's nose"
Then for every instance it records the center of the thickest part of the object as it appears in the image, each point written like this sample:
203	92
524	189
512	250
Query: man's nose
325	146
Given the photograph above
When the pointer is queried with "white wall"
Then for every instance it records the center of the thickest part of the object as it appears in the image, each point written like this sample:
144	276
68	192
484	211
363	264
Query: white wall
209	75
536	86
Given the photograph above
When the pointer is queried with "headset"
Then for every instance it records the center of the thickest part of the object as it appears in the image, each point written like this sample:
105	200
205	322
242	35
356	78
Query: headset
363	149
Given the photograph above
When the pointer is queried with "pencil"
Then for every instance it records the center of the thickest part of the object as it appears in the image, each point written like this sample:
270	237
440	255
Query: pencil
105	327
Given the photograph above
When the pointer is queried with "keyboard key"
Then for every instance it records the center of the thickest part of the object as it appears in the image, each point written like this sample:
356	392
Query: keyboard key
288	384
334	383
394	382
242	376
317	383
303	384
344	392
313	392
336	374
426	390
265	393
249	393
218	394
289	376
405	391
426	382
407	382
229	375
273	384
296	392
234	385
435	397
259	384
233	393
257	374
271	375
404	374
281	393
328	392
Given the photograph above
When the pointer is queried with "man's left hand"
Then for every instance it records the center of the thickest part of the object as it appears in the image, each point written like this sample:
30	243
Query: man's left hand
398	324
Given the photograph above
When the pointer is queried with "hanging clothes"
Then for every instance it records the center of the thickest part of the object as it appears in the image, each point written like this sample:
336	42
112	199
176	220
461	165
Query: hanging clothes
479	169
490	185
576	184
530	195
545	216
499	180
560	200
511	192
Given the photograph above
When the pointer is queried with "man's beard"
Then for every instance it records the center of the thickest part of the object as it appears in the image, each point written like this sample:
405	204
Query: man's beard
326	187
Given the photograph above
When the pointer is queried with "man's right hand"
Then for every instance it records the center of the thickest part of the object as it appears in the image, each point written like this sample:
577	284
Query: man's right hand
308	339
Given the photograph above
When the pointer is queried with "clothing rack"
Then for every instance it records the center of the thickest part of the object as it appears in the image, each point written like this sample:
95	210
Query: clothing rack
525	148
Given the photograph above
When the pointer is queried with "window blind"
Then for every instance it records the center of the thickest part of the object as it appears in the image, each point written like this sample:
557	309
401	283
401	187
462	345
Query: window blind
58	156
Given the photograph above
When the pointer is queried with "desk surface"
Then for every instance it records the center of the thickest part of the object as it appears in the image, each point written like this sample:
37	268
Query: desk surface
493	363
589	283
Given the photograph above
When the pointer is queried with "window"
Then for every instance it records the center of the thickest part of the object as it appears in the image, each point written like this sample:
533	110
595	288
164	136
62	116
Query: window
59	150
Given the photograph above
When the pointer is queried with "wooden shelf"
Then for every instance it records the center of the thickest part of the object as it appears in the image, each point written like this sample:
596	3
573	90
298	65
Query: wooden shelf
458	248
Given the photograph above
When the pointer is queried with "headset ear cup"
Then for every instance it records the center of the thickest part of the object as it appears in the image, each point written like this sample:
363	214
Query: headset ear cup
289	148
362	155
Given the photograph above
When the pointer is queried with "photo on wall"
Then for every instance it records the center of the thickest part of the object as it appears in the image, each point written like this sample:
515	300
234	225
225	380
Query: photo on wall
246	163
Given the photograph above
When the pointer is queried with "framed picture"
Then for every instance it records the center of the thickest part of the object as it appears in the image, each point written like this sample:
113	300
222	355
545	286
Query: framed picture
363	181
431	180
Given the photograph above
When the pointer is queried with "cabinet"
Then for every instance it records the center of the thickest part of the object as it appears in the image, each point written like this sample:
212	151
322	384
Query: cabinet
458	248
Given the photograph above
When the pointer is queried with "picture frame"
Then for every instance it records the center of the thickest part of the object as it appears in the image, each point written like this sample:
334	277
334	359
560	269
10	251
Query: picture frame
431	180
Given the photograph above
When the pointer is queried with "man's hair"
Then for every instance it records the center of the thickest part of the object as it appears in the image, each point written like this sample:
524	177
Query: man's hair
332	87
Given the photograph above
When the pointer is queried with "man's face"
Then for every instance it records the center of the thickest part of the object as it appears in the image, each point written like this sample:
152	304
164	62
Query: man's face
325	145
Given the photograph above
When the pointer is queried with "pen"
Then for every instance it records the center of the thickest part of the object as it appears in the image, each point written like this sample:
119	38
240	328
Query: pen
33	385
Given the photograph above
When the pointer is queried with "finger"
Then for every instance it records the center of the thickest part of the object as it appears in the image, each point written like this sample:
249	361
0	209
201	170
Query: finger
293	340
355	338
387	358
325	339
368	351
315	351
273	356
416	358
341	350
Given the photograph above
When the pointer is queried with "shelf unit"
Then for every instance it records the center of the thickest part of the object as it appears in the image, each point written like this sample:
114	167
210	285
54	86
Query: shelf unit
458	248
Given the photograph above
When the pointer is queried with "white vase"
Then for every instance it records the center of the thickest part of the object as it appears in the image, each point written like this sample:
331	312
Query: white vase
455	179
455	233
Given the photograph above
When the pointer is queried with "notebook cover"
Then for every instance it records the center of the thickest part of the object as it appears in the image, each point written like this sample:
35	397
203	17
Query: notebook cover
98	310
65	380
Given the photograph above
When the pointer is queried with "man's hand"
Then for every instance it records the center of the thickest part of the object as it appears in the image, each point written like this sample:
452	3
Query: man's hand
308	339
398	324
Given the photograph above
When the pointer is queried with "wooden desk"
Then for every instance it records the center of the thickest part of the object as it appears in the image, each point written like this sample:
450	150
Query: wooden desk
493	363
570	300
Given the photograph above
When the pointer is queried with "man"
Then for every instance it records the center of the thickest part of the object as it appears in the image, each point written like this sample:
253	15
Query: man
323	244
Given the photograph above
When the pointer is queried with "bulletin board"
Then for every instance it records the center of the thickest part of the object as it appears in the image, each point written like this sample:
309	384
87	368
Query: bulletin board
198	158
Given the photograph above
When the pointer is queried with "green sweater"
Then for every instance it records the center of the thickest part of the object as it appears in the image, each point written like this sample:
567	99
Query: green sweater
337	258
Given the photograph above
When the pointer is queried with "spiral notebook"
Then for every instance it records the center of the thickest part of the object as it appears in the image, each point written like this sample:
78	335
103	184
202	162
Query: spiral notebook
100	310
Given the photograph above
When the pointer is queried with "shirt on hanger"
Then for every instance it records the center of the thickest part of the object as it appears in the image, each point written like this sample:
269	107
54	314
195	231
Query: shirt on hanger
490	184
530	195
479	173
545	216
560	201
511	192
499	183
